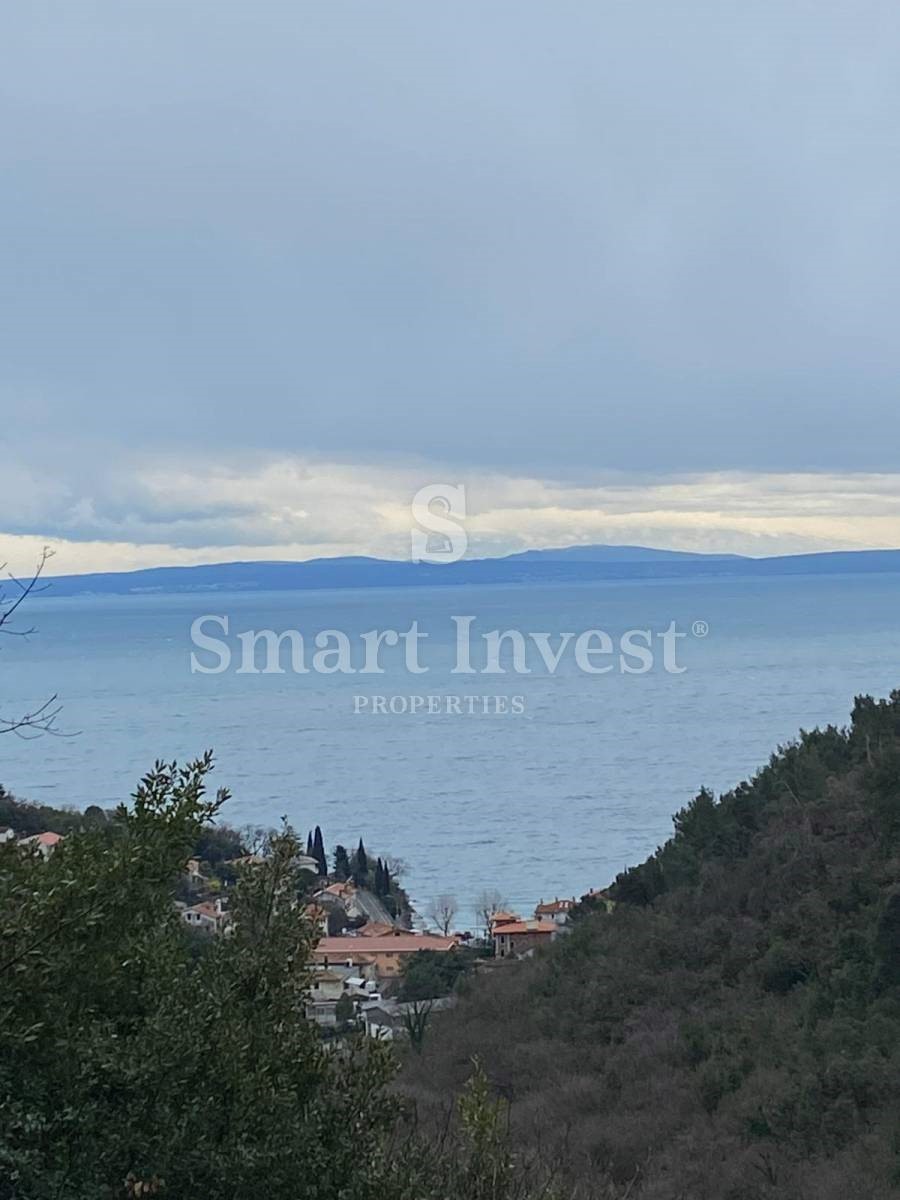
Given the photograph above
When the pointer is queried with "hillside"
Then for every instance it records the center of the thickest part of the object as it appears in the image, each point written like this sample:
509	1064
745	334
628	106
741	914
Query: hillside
731	1031
571	564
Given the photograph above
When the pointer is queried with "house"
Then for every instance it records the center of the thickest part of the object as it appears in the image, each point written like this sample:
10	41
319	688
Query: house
380	1022
246	860
344	890
598	898
386	951
326	989
554	910
208	917
374	929
43	843
6	834
516	939
303	861
343	896
330	983
195	877
386	1019
500	918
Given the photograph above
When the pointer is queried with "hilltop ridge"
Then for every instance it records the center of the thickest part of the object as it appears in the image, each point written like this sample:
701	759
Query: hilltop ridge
568	564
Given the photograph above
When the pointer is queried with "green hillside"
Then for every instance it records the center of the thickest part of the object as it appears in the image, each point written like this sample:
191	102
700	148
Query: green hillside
731	1031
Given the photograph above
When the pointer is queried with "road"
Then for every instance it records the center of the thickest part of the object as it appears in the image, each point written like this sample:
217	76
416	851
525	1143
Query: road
372	908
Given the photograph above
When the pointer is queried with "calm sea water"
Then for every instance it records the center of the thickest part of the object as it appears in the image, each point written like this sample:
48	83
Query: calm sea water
549	802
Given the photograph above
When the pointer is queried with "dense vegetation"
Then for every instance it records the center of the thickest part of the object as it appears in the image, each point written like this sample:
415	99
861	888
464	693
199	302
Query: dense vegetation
132	1066
731	1031
216	846
430	974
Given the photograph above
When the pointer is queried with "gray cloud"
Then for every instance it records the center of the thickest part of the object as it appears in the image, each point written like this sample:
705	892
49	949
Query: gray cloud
550	240
143	508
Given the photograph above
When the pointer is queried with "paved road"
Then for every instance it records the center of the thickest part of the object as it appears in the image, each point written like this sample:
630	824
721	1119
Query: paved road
373	908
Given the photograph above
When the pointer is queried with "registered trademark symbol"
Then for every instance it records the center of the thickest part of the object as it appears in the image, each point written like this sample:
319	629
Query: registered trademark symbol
700	629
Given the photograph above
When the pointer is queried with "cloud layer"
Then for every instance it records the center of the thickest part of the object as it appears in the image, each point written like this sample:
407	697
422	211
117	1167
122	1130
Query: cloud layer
631	270
657	237
144	511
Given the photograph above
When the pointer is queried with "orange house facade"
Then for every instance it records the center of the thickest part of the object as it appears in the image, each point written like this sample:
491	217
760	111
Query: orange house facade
387	952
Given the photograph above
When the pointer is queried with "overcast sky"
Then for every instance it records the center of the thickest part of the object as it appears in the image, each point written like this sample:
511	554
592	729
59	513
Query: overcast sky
630	269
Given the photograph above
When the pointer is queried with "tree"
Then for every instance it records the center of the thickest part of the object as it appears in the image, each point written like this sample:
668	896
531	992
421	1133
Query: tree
318	851
442	911
887	943
360	866
433	973
344	1011
415	1022
218	843
125	1055
382	879
395	867
336	921
341	863
95	815
488	904
136	1062
41	719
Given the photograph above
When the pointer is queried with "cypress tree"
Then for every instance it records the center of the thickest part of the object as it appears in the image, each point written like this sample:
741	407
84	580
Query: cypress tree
318	851
360	865
341	863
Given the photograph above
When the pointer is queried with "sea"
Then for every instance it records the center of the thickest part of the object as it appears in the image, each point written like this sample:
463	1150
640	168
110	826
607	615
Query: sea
535	783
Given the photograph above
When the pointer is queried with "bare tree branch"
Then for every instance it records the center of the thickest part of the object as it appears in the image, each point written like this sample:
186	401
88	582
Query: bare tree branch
442	911
40	720
488	904
8	607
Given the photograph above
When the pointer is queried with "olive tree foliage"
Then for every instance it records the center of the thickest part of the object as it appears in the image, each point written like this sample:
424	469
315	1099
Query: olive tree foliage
132	1065
128	1063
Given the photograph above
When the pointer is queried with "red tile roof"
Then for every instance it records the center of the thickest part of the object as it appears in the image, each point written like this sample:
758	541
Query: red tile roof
523	928
399	943
503	918
44	839
339	889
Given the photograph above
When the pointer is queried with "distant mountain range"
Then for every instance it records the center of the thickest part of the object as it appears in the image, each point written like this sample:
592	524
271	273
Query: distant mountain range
571	564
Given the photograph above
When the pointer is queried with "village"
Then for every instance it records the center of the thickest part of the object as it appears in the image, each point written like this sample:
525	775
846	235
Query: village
368	944
363	954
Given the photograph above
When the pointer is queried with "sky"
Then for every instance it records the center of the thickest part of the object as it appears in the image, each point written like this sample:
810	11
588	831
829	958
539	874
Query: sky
629	271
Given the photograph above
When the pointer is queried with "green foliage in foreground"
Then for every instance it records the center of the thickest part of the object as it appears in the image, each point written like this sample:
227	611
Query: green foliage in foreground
430	974
731	1031
132	1065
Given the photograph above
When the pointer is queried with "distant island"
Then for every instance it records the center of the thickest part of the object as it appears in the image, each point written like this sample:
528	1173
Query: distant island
570	564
